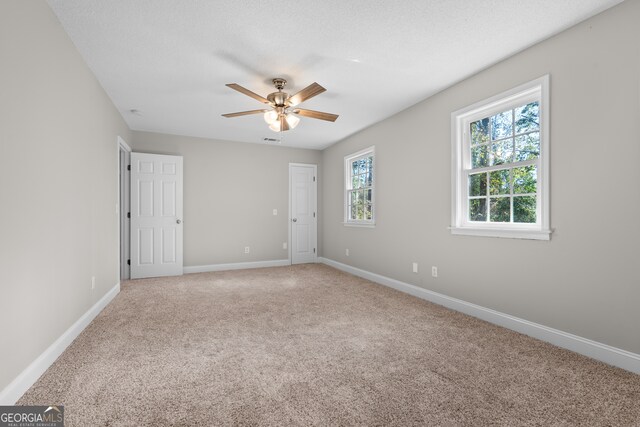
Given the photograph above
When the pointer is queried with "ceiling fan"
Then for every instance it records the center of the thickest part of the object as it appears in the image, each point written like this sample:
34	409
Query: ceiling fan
281	116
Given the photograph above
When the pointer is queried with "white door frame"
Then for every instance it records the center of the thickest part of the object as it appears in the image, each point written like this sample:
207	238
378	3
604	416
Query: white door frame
123	207
315	203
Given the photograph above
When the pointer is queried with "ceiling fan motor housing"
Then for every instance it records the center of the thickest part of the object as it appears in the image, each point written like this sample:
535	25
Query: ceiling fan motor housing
279	99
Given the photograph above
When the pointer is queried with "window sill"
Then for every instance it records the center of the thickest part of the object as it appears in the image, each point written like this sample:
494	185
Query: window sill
360	225
503	233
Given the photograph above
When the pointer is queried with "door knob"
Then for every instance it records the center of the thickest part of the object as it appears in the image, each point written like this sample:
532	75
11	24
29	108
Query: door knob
178	221
295	220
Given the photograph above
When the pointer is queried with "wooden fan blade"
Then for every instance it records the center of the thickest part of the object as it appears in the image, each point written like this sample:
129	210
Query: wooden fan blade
244	113
247	92
316	114
308	92
283	123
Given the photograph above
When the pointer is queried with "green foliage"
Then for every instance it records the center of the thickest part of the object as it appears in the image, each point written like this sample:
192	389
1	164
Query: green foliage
525	180
527	146
478	184
524	209
480	131
500	209
478	209
479	156
499	182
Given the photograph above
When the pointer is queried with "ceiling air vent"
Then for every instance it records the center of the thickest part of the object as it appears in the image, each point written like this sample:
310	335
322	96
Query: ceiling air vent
271	140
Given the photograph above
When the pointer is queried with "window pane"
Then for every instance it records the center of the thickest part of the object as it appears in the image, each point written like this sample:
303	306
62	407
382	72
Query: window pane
360	205
499	182
502	152
524	209
480	131
527	117
359	188
356	198
362	168
528	146
360	211
525	180
479	156
478	209
502	125
478	184
355	181
500	209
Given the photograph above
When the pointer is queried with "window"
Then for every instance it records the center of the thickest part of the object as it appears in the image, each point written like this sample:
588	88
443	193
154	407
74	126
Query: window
500	165
359	197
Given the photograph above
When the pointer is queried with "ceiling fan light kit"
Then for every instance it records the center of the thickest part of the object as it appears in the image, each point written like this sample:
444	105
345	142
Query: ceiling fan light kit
282	115
270	116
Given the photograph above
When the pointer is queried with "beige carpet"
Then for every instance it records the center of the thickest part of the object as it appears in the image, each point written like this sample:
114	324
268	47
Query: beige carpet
310	345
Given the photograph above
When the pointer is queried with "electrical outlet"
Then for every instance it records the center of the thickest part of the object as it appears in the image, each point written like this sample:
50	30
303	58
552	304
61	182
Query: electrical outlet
246	249
415	267
346	252
284	245
93	282
275	211
434	271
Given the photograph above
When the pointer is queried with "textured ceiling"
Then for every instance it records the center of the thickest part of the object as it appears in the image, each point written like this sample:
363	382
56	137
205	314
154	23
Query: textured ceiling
170	59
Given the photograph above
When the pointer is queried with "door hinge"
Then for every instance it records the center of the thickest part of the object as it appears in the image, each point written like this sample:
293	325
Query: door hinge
128	167
128	214
314	179
314	250
314	214
128	262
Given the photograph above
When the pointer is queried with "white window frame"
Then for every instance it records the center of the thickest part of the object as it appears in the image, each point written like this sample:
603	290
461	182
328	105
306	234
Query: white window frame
367	152
535	90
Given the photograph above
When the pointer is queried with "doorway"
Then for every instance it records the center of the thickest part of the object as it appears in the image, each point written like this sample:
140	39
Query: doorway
124	160
303	221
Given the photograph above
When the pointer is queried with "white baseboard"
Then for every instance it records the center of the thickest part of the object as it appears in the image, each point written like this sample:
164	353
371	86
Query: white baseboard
236	266
602	352
28	377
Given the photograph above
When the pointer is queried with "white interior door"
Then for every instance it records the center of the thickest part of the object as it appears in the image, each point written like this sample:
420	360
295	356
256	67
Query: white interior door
156	215
303	217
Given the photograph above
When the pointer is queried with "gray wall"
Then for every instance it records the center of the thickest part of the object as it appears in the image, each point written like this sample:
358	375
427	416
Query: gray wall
585	280
58	172
230	191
